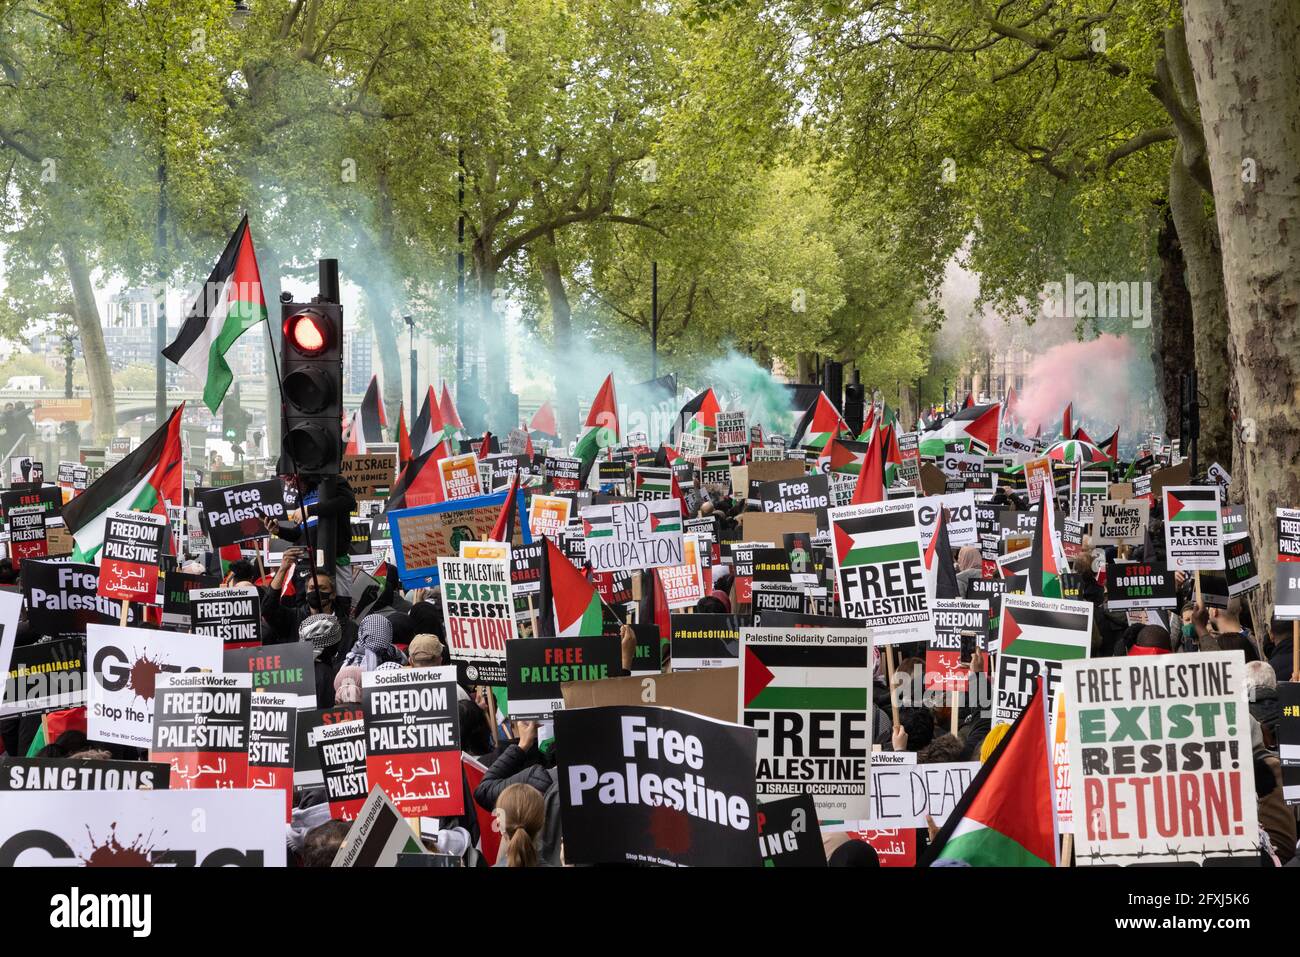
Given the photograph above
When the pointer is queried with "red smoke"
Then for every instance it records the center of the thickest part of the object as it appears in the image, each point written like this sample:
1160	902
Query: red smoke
1099	376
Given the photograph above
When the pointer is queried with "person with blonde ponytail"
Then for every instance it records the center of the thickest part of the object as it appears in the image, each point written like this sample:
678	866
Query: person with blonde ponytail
518	817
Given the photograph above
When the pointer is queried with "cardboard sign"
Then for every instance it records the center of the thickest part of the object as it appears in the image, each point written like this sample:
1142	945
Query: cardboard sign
705	641
63	598
959	625
123	666
807	494
370	474
459	476
1119	522
624	536
1160	766
960	507
563	472
548	514
774	526
234	513
341	751
272	734
711	693
142	828
479	615
731	433
43	676
1131	585
232	614
287	668
27	533
306	757
60	774
808	695
1193	535
200	729
129	558
904	795
788	833
683	584
423	534
379	837
413	739
536	668
656	786
880	571
1037	636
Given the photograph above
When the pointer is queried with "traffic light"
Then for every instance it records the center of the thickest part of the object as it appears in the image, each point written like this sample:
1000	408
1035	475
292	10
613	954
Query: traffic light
234	420
311	379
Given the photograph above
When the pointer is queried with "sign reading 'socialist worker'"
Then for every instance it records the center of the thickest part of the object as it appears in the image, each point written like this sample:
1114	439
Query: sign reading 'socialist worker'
200	729
807	695
413	739
128	568
652	785
232	614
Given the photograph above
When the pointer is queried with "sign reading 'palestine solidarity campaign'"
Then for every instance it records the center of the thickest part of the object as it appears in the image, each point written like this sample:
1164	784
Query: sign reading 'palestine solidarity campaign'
480	615
1160	758
413	739
880	571
807	694
1038	635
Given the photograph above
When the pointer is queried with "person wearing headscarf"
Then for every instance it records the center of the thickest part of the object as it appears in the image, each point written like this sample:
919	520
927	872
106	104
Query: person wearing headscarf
323	632
347	685
970	564
374	644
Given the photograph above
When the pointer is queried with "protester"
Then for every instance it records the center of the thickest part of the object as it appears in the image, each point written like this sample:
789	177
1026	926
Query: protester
521	763
519	815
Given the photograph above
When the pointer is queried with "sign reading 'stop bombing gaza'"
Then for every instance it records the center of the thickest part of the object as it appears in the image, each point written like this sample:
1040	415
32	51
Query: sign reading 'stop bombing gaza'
630	535
880	572
1193	535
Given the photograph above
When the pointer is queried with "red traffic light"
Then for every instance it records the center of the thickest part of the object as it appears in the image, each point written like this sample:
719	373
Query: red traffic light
308	332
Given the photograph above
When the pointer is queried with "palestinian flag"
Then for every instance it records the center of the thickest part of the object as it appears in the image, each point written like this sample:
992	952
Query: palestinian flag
601	428
543	422
653	484
699	414
354	435
570	605
418	483
1110	446
230	304
844	456
403	439
975	427
1059	630
1082	436
872	539
870	486
373	417
891	455
228	555
54	724
450	417
1007	816
938	560
1046	561
970	400
869	425
1067	421
485	447
145	481
422	437
812	677
1182	505
820	423
504	529
653	607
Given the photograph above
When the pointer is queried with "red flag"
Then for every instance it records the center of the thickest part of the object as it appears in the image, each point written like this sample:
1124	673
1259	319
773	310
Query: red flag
871	480
447	407
504	528
544	420
485	447
1067	424
970	400
403	439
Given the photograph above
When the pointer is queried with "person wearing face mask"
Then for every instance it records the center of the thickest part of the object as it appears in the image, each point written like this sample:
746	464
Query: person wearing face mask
284	614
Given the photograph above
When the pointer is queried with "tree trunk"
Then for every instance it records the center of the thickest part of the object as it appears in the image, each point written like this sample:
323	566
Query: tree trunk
1173	332
1199	239
98	371
566	398
1248	86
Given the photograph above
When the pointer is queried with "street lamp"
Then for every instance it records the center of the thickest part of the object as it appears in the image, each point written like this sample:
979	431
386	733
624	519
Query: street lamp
410	325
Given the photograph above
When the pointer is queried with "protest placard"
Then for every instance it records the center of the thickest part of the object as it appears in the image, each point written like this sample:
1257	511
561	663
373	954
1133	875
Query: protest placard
379	836
656	786
548	514
1061	765
142	828
904	795
200	728
1240	570
1037	637
563	472
422	534
1160	759
731	430
705	641
123	666
41	676
808	494
370	474
537	667
960	519
84	774
710	692
1193	536
413	739
715	468
788	833
1132	585
27	536
341	753
235	513
775	597
1093	486
232	614
272	733
624	536
129	558
683	584
880	572
808	696
479	615
287	668
653	484
63	598
960	627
